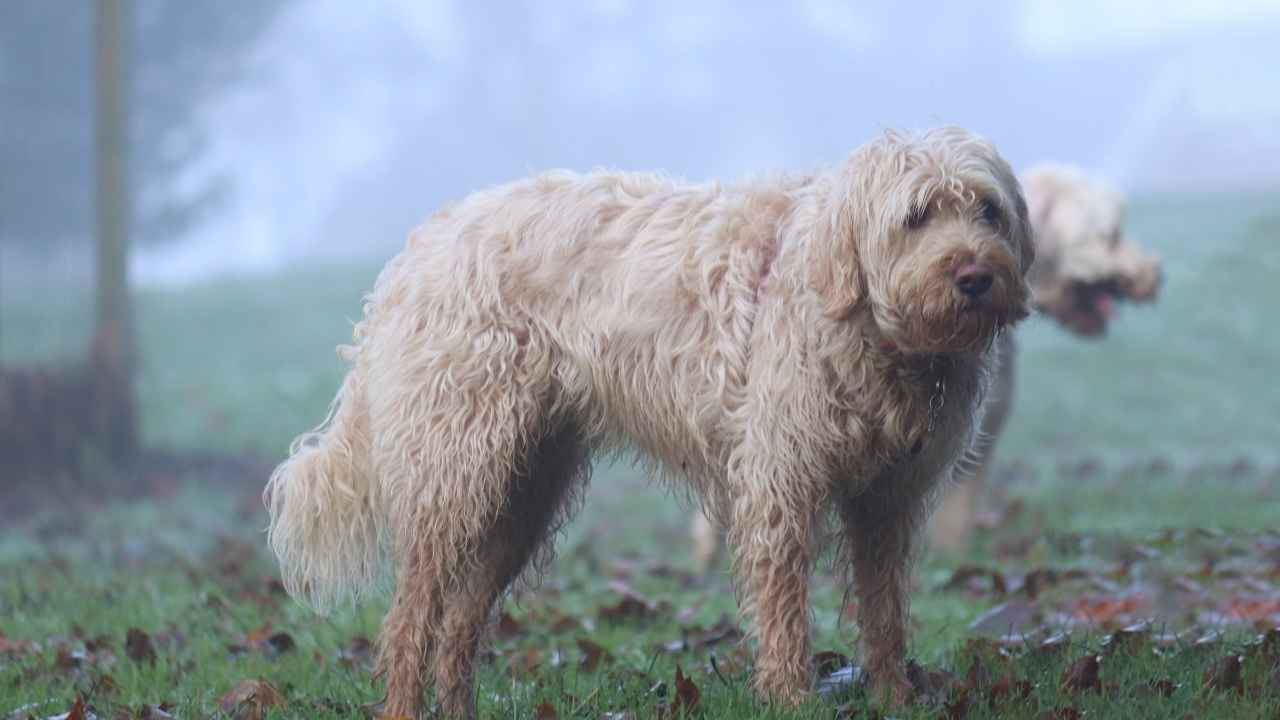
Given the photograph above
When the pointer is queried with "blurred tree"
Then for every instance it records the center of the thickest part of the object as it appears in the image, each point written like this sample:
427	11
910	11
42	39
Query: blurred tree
111	356
99	105
180	54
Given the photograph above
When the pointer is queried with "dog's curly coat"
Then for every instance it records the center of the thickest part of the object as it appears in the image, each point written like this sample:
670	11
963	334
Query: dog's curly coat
1085	264
787	347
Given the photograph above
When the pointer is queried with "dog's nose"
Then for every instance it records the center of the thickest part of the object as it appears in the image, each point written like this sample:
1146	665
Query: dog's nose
974	279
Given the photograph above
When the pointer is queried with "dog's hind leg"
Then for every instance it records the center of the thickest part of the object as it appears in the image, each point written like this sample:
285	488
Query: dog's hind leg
450	460
538	498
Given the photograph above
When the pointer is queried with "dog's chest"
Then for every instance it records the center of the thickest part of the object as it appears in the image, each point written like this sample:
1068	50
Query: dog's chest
917	420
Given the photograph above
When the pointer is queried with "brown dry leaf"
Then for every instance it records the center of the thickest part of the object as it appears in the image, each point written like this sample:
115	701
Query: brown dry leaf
1252	609
1107	610
978	676
137	645
1225	675
104	685
258	636
16	648
592	655
687	695
525	663
1164	687
250	700
828	661
630	607
508	627
975	580
1039	580
69	660
957	706
545	711
359	651
1266	645
1084	675
564	624
79	711
278	644
1006	689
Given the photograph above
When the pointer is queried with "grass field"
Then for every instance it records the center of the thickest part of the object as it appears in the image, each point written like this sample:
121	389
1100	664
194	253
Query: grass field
1139	479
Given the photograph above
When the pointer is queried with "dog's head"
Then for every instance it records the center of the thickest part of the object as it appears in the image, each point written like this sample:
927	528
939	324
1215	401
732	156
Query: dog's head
929	233
1085	262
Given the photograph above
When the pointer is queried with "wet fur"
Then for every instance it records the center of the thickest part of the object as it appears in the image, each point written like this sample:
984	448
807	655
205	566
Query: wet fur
773	346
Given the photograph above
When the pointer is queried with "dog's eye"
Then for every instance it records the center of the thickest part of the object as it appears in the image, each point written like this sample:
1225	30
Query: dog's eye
989	213
918	217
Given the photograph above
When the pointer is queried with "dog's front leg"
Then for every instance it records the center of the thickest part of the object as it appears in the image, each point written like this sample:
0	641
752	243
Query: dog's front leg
879	531
772	533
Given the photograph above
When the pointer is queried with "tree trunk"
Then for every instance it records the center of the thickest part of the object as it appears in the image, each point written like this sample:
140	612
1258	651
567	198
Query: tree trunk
112	353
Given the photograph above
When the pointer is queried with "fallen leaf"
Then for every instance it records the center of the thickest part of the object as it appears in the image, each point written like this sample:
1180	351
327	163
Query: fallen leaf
1008	688
565	624
278	644
687	695
1225	675
828	661
630	607
137	645
975	580
592	655
1164	687
359	651
1252	609
525	663
1107	610
978	676
1082	676
508	627
957	706
15	648
250	700
79	711
1039	580
154	712
545	711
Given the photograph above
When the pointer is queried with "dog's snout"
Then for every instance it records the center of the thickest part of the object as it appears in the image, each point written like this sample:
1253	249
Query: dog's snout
974	279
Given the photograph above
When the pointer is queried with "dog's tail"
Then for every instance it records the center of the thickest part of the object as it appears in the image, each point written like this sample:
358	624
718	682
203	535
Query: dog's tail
324	528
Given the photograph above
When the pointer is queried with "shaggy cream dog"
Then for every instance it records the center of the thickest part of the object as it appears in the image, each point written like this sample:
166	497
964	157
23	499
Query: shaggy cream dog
792	350
1085	264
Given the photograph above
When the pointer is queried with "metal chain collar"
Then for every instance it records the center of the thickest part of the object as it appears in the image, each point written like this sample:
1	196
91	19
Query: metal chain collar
939	398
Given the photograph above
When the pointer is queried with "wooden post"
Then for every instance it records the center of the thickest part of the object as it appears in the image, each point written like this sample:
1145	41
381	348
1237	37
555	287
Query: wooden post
113	341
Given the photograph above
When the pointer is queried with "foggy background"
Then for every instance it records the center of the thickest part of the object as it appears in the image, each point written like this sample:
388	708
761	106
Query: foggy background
268	132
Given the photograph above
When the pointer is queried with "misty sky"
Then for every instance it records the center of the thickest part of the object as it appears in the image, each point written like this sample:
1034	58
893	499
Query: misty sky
354	124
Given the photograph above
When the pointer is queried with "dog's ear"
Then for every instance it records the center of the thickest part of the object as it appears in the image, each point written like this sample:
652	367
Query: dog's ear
834	266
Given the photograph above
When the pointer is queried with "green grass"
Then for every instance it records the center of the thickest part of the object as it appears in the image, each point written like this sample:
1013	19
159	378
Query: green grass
190	570
1115	449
